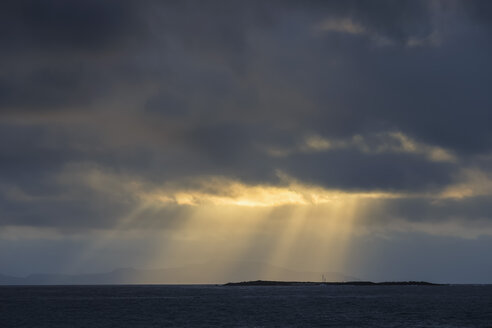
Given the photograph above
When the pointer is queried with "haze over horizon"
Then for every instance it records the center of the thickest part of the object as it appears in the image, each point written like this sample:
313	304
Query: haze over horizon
319	136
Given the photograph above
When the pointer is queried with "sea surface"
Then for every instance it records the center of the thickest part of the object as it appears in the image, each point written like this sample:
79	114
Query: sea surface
219	306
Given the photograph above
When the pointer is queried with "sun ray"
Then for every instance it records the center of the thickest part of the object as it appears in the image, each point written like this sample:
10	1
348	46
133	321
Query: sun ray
220	219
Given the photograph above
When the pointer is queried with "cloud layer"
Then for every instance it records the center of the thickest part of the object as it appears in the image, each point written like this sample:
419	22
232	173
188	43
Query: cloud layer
105	106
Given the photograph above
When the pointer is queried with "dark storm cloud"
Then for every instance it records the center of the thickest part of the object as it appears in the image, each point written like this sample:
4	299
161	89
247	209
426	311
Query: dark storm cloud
80	209
54	52
396	21
56	25
480	11
466	213
353	170
49	88
438	95
171	90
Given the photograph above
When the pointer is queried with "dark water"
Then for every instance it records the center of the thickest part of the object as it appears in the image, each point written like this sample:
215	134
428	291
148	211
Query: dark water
216	306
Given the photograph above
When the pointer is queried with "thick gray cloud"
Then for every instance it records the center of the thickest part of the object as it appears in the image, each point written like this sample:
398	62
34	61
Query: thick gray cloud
166	91
474	209
61	26
351	170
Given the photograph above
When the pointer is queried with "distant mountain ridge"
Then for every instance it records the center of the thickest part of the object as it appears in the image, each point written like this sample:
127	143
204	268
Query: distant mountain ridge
204	273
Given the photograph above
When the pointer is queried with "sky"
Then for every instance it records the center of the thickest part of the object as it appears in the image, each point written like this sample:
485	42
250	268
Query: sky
324	136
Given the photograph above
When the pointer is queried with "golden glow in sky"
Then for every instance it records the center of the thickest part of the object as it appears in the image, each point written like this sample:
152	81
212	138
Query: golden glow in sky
218	191
294	224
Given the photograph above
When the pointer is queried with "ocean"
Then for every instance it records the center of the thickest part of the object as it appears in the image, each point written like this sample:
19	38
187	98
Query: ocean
252	306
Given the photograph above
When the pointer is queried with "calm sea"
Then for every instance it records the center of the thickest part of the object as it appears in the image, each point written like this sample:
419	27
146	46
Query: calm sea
217	306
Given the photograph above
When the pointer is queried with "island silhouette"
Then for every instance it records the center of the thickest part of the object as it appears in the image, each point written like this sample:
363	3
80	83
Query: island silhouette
324	283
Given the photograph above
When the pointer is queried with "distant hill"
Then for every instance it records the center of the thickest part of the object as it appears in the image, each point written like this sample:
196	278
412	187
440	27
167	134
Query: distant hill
9	280
217	272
